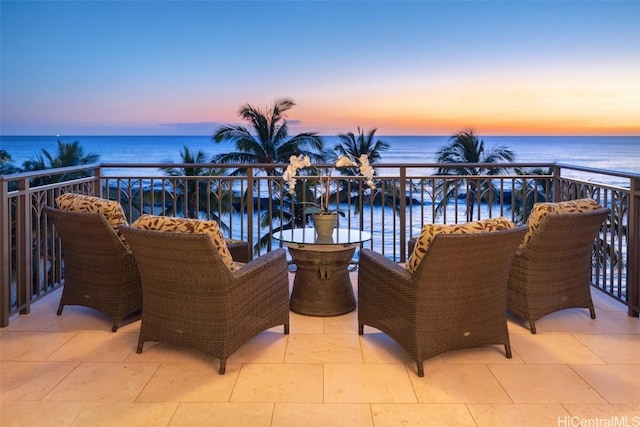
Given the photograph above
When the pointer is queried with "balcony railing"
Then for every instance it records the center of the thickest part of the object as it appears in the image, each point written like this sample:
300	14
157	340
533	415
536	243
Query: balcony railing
253	206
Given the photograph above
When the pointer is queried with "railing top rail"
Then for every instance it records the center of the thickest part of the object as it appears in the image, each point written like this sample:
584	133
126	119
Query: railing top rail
379	166
609	172
48	172
321	165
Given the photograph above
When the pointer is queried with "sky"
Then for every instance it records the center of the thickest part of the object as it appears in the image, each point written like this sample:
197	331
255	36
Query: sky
417	67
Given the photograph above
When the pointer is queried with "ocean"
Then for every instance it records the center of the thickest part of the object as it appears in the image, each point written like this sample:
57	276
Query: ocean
601	152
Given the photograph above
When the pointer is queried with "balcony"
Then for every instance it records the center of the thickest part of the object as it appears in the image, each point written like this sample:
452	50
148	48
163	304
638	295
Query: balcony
323	372
72	371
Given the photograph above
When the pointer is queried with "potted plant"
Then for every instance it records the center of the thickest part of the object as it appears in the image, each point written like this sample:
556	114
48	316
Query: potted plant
325	218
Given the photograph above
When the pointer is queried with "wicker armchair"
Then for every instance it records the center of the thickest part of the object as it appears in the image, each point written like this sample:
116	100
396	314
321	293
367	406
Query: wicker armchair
191	298
552	271
99	270
454	299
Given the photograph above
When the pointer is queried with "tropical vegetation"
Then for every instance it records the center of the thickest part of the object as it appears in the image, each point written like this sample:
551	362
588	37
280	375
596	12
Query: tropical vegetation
266	141
67	154
469	151
194	197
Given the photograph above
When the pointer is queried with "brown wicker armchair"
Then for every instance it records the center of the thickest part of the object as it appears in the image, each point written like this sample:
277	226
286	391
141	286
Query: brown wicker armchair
191	298
99	270
454	299
552	270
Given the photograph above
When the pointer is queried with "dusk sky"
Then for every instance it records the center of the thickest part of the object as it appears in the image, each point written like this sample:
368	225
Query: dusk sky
403	67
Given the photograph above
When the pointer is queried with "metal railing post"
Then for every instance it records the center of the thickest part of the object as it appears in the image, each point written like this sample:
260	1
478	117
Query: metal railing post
5	251
250	213
24	249
633	248
403	214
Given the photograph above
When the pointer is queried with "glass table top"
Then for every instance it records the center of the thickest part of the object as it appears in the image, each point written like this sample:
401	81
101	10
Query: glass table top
307	236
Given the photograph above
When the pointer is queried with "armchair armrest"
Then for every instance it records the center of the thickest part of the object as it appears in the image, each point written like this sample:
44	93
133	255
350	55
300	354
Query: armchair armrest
266	261
383	268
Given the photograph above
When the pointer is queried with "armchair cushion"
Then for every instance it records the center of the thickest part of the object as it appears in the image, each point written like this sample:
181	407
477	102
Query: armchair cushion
429	231
188	225
541	209
111	209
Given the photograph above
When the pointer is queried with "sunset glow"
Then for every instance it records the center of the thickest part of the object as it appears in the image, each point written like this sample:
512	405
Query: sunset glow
405	68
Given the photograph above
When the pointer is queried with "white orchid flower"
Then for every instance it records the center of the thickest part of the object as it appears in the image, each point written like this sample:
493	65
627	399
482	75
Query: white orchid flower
344	162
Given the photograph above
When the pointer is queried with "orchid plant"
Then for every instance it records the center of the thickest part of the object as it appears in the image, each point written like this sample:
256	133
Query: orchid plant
300	162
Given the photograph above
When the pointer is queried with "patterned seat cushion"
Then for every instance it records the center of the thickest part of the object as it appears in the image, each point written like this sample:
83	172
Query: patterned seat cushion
111	209
187	225
429	232
541	209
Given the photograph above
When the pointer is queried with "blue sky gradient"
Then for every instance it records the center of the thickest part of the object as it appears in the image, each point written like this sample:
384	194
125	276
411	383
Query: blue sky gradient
403	67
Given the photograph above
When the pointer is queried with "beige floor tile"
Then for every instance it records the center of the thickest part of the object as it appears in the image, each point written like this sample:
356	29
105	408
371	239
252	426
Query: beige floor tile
107	414
279	383
325	415
31	380
604	302
78	318
267	347
300	324
443	383
103	381
32	346
516	326
618	415
74	318
51	374
569	321
345	324
223	415
481	355
379	383
537	384
502	415
97	347
37	413
427	415
616	383
552	348
617	322
378	347
323	349
613	349
190	382
153	351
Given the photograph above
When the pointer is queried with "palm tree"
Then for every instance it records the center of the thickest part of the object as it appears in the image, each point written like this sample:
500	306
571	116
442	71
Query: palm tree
196	196
68	154
267	141
6	163
529	192
354	146
465	147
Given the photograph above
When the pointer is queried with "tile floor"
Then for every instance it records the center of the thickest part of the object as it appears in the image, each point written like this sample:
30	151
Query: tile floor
72	371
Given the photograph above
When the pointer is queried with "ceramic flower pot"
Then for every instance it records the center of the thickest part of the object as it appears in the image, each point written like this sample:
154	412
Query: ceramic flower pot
324	224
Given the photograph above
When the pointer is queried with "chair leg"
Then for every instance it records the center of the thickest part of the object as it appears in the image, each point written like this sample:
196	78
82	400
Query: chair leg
592	311
286	329
420	369
507	349
223	366
360	329
115	326
532	326
60	307
140	344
